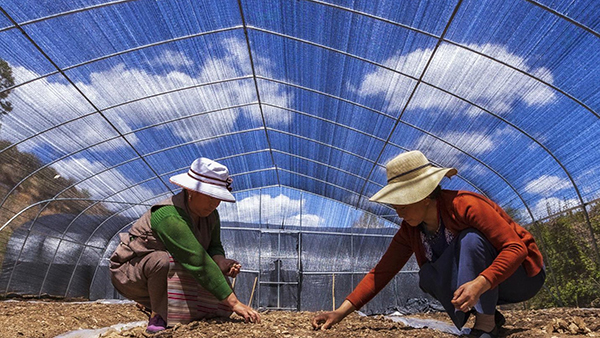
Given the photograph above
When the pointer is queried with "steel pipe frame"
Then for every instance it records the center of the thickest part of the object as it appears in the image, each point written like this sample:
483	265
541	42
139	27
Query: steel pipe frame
555	13
282	82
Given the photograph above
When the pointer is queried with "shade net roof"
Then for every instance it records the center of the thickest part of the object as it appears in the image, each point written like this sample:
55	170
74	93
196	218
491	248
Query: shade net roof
304	101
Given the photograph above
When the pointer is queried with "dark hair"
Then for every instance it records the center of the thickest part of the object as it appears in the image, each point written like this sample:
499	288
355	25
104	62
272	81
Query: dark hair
436	192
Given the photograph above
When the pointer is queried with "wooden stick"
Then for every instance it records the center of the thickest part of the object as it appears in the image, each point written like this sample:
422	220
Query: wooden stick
233	284
333	291
252	294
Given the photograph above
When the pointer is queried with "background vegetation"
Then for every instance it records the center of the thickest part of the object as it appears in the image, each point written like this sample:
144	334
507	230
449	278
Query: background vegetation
573	273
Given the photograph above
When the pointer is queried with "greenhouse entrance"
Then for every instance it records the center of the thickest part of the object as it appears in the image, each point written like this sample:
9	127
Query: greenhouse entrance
279	277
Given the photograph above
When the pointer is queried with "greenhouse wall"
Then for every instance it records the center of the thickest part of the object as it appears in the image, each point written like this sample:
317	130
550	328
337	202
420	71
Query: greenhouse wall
296	268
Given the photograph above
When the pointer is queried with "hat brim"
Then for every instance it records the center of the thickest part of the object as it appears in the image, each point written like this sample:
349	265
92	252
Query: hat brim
216	191
414	190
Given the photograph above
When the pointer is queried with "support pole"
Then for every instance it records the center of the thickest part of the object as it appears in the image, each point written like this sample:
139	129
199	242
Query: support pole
333	292
252	294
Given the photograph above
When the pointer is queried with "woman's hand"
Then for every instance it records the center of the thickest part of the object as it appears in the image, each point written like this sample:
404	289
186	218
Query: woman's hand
229	267
248	313
326	320
467	295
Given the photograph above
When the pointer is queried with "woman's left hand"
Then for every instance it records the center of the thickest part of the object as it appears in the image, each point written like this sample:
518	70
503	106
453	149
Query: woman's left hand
229	267
467	295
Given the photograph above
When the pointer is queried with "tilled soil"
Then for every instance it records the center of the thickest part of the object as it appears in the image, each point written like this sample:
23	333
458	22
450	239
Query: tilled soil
49	319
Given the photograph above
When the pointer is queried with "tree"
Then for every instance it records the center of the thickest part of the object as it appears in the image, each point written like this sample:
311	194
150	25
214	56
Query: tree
6	81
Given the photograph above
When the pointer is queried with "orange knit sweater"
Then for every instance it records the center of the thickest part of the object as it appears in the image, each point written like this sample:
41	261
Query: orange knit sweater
459	210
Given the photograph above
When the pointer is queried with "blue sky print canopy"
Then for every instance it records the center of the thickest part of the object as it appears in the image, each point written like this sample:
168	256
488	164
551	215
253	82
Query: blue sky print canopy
304	100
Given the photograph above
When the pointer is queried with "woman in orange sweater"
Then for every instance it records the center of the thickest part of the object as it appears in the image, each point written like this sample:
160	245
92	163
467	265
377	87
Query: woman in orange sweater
472	255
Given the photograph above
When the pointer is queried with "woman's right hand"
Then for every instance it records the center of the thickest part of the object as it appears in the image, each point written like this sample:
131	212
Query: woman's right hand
326	320
248	313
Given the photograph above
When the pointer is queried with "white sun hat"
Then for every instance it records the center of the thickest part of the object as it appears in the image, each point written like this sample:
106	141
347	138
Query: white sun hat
410	179
207	177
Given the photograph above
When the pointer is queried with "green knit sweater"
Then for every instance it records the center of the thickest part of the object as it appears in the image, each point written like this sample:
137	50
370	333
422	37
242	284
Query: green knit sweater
172	226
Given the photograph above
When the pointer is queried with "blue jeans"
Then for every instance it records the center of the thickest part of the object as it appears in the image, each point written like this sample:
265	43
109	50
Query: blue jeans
464	259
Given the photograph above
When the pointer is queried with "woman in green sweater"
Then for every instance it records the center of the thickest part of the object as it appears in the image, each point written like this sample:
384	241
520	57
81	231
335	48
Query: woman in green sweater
181	235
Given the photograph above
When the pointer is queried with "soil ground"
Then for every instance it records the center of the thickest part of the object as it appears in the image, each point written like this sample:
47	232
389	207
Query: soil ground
48	319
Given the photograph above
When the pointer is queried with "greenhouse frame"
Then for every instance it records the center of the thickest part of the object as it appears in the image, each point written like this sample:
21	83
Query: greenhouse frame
305	101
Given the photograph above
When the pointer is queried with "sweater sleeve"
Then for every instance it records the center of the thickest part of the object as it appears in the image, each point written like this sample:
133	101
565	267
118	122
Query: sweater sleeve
172	227
392	261
484	215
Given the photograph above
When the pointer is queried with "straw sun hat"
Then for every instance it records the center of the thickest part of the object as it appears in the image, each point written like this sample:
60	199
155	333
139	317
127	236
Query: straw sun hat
410	179
207	177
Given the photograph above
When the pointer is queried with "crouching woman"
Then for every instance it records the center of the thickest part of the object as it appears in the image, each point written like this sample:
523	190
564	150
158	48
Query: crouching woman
472	255
172	261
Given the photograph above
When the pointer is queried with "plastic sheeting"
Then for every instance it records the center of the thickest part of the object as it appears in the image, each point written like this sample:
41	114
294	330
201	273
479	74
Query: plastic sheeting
297	268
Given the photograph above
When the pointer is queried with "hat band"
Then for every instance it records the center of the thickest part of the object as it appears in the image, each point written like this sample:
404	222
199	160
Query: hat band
408	172
225	183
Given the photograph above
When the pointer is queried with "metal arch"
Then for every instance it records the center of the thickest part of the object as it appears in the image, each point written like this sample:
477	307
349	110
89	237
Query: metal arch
329	95
472	104
564	17
56	196
337	51
92	235
108	140
78	10
337	124
318	163
323	144
77	217
377	138
141	99
262	115
454	95
29	207
232	107
441	38
125	51
420	80
408	125
101	258
328	48
76	87
237	192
